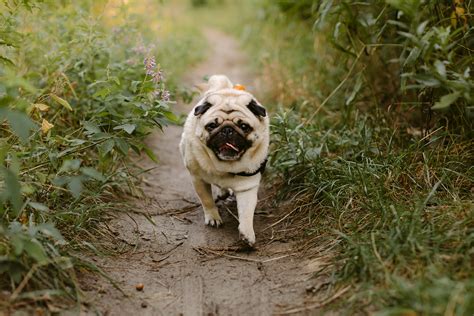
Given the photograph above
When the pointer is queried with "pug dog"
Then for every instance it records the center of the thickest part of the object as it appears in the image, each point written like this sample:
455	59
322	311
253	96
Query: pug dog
225	143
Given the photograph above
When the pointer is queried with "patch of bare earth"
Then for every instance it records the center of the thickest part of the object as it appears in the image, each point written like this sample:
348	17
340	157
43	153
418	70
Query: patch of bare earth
187	268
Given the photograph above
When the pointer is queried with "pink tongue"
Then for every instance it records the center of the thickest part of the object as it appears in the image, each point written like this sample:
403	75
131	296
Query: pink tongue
232	146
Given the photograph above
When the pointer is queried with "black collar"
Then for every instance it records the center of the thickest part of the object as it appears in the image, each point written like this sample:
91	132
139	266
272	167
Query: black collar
261	169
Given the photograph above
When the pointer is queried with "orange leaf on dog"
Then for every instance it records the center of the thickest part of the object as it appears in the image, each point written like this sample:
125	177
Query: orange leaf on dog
239	87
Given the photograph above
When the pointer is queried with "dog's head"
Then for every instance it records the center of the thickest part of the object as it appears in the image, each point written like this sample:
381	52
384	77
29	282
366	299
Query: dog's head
230	122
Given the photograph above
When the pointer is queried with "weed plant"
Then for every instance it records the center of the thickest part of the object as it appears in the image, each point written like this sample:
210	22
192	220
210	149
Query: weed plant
80	88
373	142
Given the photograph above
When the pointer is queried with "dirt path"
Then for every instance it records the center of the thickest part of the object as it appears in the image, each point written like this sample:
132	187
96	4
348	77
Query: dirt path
188	268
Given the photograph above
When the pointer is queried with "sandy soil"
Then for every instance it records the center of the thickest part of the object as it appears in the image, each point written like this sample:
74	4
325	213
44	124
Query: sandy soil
188	268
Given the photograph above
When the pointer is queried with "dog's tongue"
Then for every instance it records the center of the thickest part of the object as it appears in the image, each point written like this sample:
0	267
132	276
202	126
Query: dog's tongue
230	146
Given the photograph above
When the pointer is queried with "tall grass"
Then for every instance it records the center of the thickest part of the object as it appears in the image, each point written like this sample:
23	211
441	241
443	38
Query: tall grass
81	85
372	142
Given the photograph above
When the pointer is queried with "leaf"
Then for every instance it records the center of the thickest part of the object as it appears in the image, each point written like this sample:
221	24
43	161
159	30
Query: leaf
93	173
357	87
115	79
134	86
421	27
122	146
41	107
38	206
12	190
70	165
409	36
75	186
446	101
17	243
324	9
91	127
454	19
20	123
173	118
412	57
49	230
150	154
106	147
35	250
60	181
102	93
61	101
440	68
46	126
427	80
466	73
129	128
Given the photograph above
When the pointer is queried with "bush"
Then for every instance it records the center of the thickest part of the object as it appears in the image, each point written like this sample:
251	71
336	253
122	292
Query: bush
77	97
398	53
399	210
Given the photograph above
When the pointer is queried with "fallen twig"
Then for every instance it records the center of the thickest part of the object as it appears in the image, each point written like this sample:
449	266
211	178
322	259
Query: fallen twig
280	220
316	305
232	214
203	251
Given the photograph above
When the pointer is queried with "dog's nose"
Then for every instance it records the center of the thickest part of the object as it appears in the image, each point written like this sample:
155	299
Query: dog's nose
227	131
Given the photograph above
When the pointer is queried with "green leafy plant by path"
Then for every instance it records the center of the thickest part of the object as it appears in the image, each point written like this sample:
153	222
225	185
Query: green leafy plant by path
421	47
372	144
400	210
77	98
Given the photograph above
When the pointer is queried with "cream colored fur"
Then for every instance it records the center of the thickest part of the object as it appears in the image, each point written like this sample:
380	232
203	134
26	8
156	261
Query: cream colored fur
207	170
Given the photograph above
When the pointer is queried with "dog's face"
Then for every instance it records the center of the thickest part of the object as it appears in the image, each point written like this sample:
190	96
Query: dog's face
230	123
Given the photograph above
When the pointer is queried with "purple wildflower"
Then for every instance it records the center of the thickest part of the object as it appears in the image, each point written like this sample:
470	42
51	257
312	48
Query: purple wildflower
158	76
165	95
150	65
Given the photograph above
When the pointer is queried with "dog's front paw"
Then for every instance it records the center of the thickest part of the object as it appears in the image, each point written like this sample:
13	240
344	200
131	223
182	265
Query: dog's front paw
247	234
212	218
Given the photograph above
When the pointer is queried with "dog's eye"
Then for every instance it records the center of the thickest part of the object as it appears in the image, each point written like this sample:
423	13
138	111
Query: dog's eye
245	127
211	126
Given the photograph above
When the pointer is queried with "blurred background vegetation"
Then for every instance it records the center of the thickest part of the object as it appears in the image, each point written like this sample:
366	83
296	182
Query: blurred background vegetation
81	84
372	134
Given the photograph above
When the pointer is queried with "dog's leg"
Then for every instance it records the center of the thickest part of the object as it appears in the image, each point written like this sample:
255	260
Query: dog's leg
204	192
246	203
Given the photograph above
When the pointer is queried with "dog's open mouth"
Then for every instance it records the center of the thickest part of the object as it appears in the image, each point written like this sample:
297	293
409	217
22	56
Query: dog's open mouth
229	151
228	145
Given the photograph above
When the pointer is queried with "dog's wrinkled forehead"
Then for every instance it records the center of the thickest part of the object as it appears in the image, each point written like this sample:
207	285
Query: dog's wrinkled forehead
228	100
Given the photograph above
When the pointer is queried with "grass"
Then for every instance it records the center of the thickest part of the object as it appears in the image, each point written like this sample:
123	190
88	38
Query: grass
400	211
76	105
374	176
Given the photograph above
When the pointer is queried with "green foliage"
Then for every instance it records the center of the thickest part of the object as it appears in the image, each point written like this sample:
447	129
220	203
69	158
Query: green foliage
77	98
422	46
398	206
372	142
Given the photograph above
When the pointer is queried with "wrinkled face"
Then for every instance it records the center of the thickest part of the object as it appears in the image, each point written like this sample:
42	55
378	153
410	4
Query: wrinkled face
229	124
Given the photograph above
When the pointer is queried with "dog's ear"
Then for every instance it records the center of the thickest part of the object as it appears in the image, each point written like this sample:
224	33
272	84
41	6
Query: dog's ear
202	87
257	109
218	82
201	109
